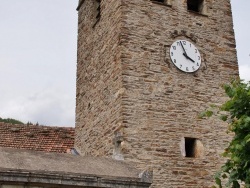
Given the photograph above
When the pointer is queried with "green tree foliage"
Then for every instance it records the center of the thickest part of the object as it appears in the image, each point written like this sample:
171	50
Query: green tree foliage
10	120
237	168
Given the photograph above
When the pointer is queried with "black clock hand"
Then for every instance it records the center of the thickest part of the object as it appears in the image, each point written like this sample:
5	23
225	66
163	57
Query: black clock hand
185	53
188	57
184	50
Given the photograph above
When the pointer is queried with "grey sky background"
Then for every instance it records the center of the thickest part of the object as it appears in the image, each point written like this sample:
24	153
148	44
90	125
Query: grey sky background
38	42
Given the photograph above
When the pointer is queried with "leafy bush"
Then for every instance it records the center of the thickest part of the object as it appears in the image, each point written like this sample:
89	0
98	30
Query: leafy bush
237	168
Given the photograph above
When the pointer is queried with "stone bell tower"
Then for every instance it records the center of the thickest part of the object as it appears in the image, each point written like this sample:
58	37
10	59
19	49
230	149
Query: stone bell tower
145	70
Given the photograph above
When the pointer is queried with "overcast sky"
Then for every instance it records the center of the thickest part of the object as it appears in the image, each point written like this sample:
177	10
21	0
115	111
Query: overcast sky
38	40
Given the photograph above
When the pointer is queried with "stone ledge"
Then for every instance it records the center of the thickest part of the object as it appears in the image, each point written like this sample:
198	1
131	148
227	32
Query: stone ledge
27	177
27	166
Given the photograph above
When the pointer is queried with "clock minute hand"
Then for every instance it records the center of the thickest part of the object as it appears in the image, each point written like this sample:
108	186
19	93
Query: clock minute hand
184	50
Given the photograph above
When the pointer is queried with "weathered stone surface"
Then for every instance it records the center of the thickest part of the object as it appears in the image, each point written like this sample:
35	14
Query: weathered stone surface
26	167
99	77
128	51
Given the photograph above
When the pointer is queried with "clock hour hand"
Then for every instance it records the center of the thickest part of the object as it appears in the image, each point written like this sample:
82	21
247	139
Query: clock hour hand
188	57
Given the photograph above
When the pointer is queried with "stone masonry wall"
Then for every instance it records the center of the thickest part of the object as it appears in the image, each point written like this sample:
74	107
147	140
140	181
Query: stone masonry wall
127	87
98	77
161	104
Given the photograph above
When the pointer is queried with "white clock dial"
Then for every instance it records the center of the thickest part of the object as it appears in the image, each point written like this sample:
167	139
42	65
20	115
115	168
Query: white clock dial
185	56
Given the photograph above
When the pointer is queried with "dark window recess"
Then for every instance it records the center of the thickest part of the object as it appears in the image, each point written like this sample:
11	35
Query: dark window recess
190	147
160	1
195	5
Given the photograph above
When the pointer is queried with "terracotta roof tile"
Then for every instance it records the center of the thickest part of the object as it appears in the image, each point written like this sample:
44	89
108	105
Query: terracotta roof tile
39	138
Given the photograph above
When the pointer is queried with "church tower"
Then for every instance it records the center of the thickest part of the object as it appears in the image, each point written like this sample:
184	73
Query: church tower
146	69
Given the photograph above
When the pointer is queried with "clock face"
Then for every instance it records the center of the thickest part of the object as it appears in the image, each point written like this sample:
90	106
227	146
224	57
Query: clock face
185	56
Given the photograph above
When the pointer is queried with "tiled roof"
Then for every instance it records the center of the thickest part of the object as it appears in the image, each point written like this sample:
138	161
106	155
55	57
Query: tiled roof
39	138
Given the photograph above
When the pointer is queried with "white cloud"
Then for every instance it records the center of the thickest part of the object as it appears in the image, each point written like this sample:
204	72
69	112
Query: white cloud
45	107
38	58
245	72
38	61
